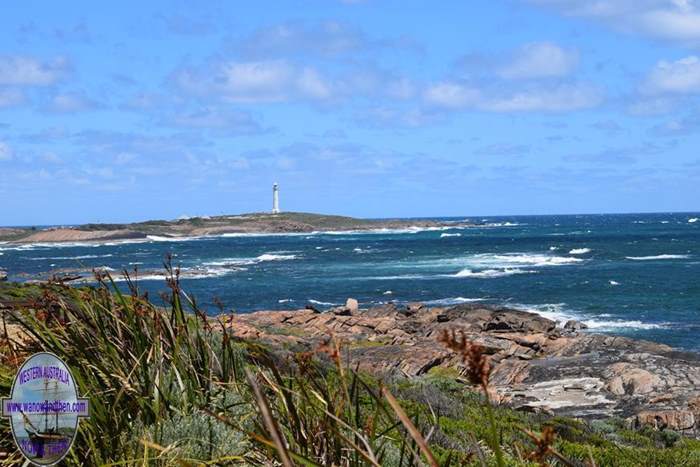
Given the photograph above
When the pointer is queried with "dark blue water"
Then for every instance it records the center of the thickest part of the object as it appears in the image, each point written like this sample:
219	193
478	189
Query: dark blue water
632	274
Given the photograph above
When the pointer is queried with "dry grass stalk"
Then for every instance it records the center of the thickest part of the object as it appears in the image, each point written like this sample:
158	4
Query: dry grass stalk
272	428
473	357
544	447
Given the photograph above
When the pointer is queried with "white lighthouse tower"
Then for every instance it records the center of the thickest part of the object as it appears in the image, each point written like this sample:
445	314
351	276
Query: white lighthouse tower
275	199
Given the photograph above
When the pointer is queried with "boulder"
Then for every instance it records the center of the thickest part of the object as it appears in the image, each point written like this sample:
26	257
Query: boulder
413	308
629	380
352	306
3	275
574	326
341	311
678	420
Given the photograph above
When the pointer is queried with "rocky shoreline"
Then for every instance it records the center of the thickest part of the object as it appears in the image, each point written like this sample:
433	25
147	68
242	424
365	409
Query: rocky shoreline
537	364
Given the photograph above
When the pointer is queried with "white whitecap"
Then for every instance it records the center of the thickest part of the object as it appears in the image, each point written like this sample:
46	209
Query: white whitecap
656	257
275	257
619	324
233	262
160	238
613	283
501	224
452	301
491	273
444	235
69	257
318	302
579	251
693	220
557	312
524	259
52	245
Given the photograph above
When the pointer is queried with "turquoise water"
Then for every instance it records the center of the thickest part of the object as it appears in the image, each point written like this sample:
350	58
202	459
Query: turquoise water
632	274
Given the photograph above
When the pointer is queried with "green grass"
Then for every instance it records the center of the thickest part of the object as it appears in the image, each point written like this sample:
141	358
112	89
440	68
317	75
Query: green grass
168	385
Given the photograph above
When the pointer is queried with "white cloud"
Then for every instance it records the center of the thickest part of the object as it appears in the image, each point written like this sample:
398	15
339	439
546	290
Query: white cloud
311	84
559	98
26	71
676	20
540	60
681	76
257	81
451	95
5	152
266	80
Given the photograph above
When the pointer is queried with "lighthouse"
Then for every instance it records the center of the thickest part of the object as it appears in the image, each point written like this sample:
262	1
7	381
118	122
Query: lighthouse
275	199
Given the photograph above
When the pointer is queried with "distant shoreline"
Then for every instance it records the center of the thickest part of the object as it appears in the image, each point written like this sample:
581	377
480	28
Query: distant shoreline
254	223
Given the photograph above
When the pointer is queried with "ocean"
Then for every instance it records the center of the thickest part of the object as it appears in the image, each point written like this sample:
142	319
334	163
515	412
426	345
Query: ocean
635	275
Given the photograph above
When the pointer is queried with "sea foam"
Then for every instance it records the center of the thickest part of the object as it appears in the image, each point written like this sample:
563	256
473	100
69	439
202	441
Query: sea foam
559	313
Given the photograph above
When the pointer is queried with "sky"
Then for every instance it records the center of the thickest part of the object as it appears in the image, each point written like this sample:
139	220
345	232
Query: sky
125	111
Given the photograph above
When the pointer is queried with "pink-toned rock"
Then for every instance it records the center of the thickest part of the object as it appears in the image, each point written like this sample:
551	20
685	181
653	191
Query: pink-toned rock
679	420
591	375
352	306
630	380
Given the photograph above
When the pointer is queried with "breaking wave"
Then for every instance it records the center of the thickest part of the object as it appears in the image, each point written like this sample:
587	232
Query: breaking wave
248	261
275	257
501	224
557	312
620	324
452	301
657	257
70	257
579	251
160	238
521	259
491	273
51	245
318	302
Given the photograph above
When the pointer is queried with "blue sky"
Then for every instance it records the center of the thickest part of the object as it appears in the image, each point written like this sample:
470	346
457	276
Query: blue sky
125	111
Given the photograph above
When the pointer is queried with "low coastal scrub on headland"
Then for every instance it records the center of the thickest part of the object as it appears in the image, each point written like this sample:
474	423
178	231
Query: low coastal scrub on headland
170	385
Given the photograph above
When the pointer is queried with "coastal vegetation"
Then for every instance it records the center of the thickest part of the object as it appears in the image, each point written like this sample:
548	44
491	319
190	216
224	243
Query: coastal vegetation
169	385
